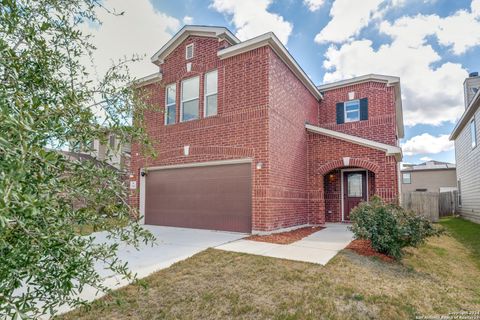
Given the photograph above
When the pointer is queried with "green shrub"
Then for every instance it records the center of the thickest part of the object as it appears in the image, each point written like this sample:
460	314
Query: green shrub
389	227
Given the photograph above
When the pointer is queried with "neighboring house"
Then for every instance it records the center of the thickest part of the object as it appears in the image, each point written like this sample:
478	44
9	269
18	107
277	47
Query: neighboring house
467	153
430	176
113	153
246	142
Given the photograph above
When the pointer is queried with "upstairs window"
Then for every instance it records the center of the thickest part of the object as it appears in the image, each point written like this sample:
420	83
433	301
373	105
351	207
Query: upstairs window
473	133
190	92
351	111
211	88
189	51
170	103
406	178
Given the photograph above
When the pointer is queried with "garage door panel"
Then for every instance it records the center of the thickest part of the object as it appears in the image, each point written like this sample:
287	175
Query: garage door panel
214	197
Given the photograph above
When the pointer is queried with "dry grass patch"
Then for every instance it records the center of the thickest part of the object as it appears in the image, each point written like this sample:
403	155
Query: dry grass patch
437	278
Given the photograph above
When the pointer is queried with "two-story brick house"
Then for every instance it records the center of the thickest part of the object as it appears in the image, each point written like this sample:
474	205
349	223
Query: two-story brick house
246	142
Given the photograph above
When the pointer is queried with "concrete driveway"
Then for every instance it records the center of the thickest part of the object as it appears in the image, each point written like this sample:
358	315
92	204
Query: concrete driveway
172	245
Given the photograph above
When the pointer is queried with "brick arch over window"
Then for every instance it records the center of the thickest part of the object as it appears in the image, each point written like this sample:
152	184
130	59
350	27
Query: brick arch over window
354	162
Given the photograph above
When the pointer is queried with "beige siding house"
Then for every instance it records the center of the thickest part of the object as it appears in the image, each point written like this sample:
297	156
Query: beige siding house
431	176
467	152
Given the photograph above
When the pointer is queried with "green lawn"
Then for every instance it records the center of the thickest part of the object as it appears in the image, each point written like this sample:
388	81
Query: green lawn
440	277
466	232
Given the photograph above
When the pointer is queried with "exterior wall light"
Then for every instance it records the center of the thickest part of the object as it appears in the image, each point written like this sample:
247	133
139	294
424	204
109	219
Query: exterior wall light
332	178
259	165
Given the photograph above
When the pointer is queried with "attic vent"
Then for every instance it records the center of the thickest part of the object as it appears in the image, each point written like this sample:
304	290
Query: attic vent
189	51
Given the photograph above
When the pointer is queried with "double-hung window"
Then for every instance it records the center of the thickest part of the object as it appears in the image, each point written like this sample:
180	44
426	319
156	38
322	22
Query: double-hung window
352	110
211	88
170	103
473	133
190	92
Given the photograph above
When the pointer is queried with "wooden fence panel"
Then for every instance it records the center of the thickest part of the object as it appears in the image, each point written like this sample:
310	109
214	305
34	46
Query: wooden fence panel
447	203
431	205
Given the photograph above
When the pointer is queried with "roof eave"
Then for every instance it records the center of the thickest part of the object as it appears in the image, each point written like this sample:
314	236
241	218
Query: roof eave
271	40
469	112
389	80
388	149
152	78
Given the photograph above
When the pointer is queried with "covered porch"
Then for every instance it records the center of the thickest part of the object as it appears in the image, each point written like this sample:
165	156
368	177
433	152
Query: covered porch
344	189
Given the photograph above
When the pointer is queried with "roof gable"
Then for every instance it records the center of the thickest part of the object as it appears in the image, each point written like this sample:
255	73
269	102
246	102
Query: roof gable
388	80
185	32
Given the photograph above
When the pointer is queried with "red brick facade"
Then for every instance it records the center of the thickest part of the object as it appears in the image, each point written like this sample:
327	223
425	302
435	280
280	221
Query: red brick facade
262	111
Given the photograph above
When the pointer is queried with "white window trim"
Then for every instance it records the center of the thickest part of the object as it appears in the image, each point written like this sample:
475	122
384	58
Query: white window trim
183	101
167	105
205	96
473	136
345	111
403	180
186	51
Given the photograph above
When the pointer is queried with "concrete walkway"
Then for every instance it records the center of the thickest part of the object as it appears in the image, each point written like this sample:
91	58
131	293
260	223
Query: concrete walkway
318	247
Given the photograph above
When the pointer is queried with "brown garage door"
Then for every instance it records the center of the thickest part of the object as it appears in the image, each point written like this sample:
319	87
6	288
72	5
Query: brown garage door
210	197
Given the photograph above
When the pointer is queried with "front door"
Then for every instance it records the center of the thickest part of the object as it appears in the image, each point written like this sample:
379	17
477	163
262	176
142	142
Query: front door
354	191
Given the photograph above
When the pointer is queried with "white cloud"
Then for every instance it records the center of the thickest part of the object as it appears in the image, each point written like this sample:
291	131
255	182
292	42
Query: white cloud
426	159
427	144
313	5
251	18
460	31
430	95
188	20
432	88
140	30
348	18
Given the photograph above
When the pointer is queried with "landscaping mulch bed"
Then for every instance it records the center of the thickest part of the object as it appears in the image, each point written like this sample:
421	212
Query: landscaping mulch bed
286	237
364	248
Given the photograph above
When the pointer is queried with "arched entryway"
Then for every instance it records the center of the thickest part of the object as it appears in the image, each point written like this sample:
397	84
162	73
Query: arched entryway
346	183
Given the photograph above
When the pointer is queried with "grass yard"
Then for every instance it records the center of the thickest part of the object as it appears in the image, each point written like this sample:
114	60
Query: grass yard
440	277
466	232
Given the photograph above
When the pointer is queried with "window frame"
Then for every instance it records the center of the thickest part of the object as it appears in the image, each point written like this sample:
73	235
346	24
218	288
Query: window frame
183	101
473	134
409	178
174	84
191	45
206	95
345	112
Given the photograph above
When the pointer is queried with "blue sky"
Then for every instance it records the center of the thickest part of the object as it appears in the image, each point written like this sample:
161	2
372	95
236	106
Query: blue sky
432	45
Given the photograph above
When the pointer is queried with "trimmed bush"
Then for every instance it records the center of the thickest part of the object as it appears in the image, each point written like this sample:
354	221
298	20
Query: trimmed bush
389	227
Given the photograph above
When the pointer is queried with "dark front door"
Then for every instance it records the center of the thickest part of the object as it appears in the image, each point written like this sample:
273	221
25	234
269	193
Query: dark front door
354	191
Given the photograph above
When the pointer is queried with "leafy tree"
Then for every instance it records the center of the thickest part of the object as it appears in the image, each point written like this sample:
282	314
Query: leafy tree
48	100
